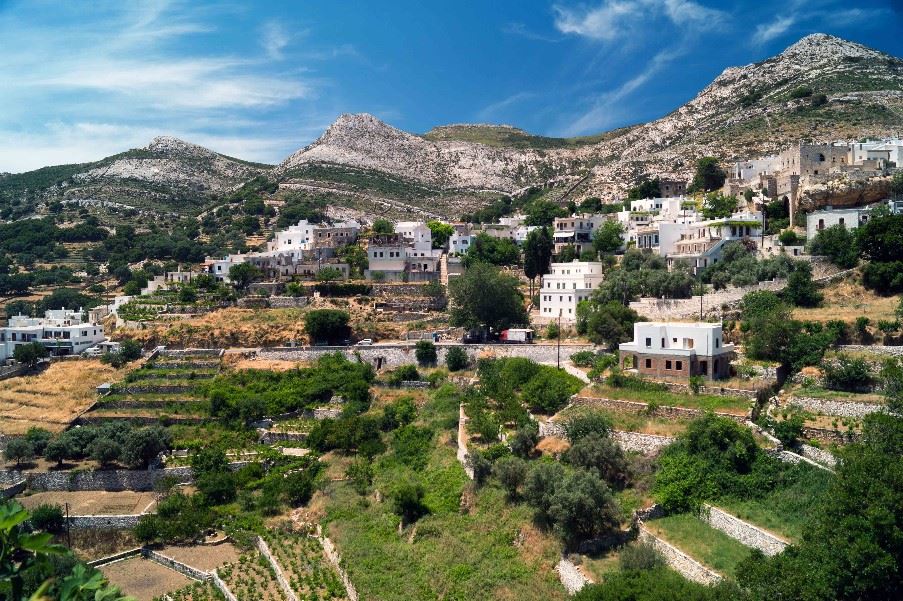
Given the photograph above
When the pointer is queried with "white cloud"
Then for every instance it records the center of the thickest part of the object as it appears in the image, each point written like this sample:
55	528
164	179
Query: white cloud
765	32
618	19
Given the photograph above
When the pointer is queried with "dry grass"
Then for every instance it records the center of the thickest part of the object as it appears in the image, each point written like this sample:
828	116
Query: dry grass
553	447
52	398
203	557
847	300
143	579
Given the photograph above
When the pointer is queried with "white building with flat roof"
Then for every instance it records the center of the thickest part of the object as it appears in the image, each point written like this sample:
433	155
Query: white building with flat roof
61	331
677	350
851	218
567	284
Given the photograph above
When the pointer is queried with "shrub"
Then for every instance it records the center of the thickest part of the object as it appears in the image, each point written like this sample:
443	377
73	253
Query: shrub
801	92
552	330
480	465
583	507
584	359
849	374
549	390
425	351
640	556
600	455
360	473
403	373
696	383
329	325
411	445
511	473
790	429
788	238
456	359
48	517
584	424
525	440
407	502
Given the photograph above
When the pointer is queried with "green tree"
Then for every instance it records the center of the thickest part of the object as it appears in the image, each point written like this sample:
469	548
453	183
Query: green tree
441	232
607	323
19	449
328	274
495	251
356	257
538	249
425	351
549	390
105	451
838	244
143	445
407	502
608	238
600	455
567	253
456	359
242	274
717	205
329	325
511	473
30	353
483	297
645	188
58	450
708	176
383	226
801	291
583	507
543	212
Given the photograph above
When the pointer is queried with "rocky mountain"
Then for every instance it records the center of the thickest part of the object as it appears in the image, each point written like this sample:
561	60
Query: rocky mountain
821	88
167	175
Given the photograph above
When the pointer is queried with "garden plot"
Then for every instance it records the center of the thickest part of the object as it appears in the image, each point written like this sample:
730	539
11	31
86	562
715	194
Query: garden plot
710	547
202	557
93	502
701	402
301	559
199	591
252	577
144	579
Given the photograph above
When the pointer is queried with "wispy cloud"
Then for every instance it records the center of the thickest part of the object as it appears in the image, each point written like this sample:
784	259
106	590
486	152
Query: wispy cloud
274	38
618	19
765	32
493	111
520	29
608	109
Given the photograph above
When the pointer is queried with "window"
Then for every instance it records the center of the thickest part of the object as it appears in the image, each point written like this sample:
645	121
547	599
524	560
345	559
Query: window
842	221
679	366
717	342
663	343
648	363
648	342
668	364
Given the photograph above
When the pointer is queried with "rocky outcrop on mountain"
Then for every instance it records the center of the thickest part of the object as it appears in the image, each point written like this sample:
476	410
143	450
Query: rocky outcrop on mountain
363	141
843	190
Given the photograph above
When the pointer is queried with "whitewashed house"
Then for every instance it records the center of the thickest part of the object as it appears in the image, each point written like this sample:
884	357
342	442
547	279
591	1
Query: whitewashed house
567	284
61	331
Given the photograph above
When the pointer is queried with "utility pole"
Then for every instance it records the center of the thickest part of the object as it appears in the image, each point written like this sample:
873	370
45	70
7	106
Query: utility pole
559	338
68	534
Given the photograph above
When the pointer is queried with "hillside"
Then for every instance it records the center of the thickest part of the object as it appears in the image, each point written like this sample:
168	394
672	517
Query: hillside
167	175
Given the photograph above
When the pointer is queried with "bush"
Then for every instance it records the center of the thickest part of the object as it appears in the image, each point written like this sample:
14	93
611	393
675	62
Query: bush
549	390
48	517
790	429
553	331
584	359
456	359
640	556
425	351
511	473
849	374
480	465
801	92
329	325
407	502
884	277
788	238
582	507
525	440
585	424
601	456
403	373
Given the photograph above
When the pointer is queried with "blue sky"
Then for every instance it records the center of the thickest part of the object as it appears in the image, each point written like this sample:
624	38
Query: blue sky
84	80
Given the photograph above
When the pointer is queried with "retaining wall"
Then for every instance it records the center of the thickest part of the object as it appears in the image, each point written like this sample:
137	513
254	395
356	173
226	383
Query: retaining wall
744	532
271	437
834	407
335	559
680	387
103	522
393	355
570	576
462	441
665	411
647	444
115	557
894	351
679	561
221	586
818	455
12	490
829	436
173	564
280	576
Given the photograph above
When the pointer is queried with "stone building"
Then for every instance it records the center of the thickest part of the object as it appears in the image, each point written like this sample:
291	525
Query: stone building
676	351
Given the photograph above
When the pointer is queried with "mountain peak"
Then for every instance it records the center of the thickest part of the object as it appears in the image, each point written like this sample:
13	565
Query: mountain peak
823	45
170	144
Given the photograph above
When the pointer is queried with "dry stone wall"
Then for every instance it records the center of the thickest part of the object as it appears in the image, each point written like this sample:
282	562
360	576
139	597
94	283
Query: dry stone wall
174	564
745	533
389	356
572	579
277	570
834	407
103	522
679	561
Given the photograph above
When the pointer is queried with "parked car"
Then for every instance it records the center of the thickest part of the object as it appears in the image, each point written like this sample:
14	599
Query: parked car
365	342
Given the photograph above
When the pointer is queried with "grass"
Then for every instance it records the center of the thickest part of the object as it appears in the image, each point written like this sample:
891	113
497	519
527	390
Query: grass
631	422
786	509
705	402
837	395
847	299
53	397
707	545
488	550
